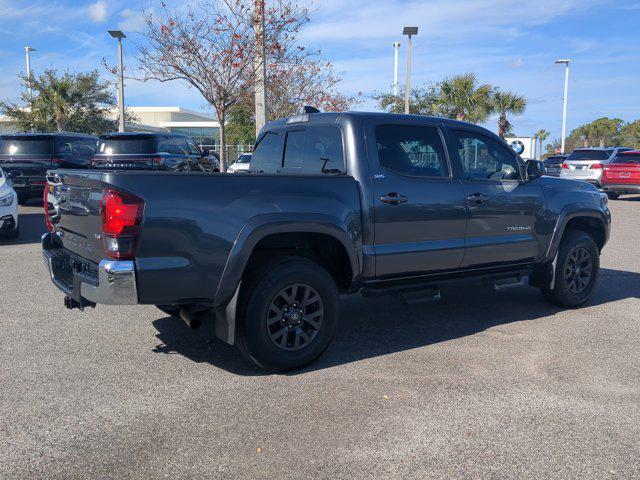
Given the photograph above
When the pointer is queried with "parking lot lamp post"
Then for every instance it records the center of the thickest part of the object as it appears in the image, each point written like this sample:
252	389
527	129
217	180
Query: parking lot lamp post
120	35
27	51
409	31
564	61
396	46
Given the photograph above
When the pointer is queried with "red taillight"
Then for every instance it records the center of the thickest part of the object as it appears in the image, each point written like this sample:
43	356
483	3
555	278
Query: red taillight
121	216
597	166
565	166
45	200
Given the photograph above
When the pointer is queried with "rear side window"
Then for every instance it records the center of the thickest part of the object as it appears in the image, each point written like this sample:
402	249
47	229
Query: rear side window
26	146
173	145
126	145
267	157
627	158
411	150
589	155
77	145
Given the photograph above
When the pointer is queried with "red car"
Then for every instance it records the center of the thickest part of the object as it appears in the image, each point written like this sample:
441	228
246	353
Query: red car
622	175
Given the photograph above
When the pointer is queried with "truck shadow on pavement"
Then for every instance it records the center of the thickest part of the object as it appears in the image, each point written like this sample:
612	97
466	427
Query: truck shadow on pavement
32	227
382	326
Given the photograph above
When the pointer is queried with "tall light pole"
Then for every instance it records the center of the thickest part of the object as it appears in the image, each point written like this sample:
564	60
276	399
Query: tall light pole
27	50
565	61
396	46
261	68
409	31
120	35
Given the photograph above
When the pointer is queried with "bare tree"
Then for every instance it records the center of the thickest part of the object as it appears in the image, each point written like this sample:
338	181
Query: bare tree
211	45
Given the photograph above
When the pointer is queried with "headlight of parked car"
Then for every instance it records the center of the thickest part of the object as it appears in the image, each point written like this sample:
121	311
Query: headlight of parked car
6	200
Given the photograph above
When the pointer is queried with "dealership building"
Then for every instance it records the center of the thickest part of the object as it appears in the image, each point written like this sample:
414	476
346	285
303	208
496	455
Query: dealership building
202	128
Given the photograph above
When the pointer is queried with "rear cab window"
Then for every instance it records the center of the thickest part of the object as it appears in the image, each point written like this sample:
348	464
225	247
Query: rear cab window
314	149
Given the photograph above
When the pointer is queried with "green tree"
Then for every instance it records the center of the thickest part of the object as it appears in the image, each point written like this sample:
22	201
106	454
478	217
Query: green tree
241	127
541	135
421	101
630	135
601	132
507	103
463	98
77	102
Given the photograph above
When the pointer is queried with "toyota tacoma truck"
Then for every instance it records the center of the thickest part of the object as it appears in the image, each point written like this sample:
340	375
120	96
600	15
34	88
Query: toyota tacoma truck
334	203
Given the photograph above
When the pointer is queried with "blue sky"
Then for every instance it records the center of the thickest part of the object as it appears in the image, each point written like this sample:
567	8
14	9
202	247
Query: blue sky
508	43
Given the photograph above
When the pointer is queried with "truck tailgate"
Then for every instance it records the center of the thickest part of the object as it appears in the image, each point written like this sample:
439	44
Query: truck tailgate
74	210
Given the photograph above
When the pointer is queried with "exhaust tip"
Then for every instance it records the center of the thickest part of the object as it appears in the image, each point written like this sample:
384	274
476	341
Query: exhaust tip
188	318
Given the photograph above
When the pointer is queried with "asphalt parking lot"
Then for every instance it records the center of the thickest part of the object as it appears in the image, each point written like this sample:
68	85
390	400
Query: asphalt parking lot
479	385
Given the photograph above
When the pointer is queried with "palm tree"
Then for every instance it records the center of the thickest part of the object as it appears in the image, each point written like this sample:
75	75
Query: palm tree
507	103
541	135
461	97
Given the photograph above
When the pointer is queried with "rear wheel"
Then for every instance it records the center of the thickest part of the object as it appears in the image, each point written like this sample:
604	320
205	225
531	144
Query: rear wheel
292	308
613	196
576	270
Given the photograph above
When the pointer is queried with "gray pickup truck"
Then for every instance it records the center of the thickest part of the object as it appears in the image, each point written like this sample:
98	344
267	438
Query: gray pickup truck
334	203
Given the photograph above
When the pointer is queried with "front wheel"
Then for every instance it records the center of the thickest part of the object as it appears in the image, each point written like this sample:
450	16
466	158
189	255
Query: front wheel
576	270
613	196
292	309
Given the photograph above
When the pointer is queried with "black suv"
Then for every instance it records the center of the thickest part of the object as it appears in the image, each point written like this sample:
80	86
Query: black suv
553	164
26	157
152	151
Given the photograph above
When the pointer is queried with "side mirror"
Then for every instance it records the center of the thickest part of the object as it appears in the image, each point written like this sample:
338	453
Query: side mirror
535	169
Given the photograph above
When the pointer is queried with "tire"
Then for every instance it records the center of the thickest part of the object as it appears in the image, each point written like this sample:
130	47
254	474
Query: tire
572	287
613	196
14	233
290	315
22	199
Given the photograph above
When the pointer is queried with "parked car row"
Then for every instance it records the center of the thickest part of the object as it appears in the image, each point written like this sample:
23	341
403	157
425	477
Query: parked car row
26	157
614	170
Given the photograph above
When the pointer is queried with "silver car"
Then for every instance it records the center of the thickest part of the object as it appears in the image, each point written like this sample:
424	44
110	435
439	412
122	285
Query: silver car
587	163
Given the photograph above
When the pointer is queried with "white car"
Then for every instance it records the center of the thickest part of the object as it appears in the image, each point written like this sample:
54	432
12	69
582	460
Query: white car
242	163
8	208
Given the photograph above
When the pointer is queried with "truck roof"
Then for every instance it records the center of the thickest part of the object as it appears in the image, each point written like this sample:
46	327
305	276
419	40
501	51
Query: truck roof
335	117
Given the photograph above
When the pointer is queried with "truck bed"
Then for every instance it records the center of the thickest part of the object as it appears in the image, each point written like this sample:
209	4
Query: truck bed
191	221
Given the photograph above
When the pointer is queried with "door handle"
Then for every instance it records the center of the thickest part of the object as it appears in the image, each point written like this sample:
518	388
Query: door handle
393	198
477	198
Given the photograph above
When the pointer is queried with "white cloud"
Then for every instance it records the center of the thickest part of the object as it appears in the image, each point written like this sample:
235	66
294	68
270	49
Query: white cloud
98	11
132	20
517	63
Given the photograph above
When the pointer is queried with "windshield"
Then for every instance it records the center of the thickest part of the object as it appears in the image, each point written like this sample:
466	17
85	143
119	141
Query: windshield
126	145
26	146
628	158
589	155
244	158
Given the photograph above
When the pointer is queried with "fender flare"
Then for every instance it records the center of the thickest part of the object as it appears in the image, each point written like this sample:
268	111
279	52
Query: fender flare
261	226
568	213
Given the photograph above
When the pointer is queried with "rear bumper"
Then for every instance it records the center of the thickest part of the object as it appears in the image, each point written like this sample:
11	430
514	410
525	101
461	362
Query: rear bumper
621	188
113	282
